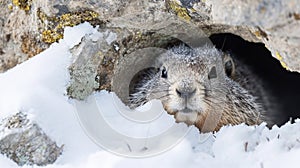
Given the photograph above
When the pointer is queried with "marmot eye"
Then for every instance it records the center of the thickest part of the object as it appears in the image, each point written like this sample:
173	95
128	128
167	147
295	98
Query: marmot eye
164	73
213	73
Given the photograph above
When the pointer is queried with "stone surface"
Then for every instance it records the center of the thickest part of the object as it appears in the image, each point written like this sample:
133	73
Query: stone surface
87	56
30	27
107	62
27	27
275	23
25	142
120	59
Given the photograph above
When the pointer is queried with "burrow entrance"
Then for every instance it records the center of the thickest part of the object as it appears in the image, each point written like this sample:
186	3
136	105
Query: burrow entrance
282	83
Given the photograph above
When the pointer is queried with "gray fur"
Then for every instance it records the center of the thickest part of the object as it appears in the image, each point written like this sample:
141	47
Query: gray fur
237	99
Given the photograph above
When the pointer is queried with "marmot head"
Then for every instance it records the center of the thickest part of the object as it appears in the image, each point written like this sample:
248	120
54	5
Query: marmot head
191	81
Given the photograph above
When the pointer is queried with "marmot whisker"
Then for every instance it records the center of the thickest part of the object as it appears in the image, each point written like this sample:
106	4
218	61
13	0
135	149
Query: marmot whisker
204	87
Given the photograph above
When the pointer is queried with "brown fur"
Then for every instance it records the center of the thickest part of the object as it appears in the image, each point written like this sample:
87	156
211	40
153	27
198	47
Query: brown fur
216	100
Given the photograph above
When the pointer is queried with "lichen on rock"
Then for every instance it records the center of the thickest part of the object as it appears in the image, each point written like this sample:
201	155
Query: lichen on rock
23	4
27	27
274	23
180	10
24	142
87	56
53	27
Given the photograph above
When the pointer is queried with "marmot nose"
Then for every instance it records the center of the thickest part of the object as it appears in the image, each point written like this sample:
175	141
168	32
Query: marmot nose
185	93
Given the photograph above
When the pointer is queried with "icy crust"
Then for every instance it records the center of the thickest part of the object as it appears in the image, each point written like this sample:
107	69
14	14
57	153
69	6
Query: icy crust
37	87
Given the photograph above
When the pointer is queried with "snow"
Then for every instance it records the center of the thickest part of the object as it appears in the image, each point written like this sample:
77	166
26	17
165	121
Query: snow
37	87
111	37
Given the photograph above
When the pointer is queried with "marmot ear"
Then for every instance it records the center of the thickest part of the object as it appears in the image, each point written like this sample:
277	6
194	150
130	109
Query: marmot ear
229	66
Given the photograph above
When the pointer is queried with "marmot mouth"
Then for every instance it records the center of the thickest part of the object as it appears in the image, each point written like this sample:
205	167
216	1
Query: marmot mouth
185	110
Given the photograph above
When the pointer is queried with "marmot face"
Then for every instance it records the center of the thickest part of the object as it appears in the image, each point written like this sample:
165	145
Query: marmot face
189	82
198	87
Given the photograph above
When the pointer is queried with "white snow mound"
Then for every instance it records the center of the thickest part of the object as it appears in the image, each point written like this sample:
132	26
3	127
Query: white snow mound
38	88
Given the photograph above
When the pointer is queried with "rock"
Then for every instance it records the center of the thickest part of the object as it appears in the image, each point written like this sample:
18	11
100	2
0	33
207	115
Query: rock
114	62
25	142
83	71
274	23
109	60
18	34
28	27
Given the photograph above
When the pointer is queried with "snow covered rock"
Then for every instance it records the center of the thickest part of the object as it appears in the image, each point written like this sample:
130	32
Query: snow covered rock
84	69
24	142
27	27
46	110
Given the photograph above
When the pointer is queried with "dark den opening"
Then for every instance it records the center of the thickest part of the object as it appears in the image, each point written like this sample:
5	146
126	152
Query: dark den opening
284	85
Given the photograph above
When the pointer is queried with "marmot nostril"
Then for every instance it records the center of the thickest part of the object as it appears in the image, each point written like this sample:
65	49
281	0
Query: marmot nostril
212	90
185	93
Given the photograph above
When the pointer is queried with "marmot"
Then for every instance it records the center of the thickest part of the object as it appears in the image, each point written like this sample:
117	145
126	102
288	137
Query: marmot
204	87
